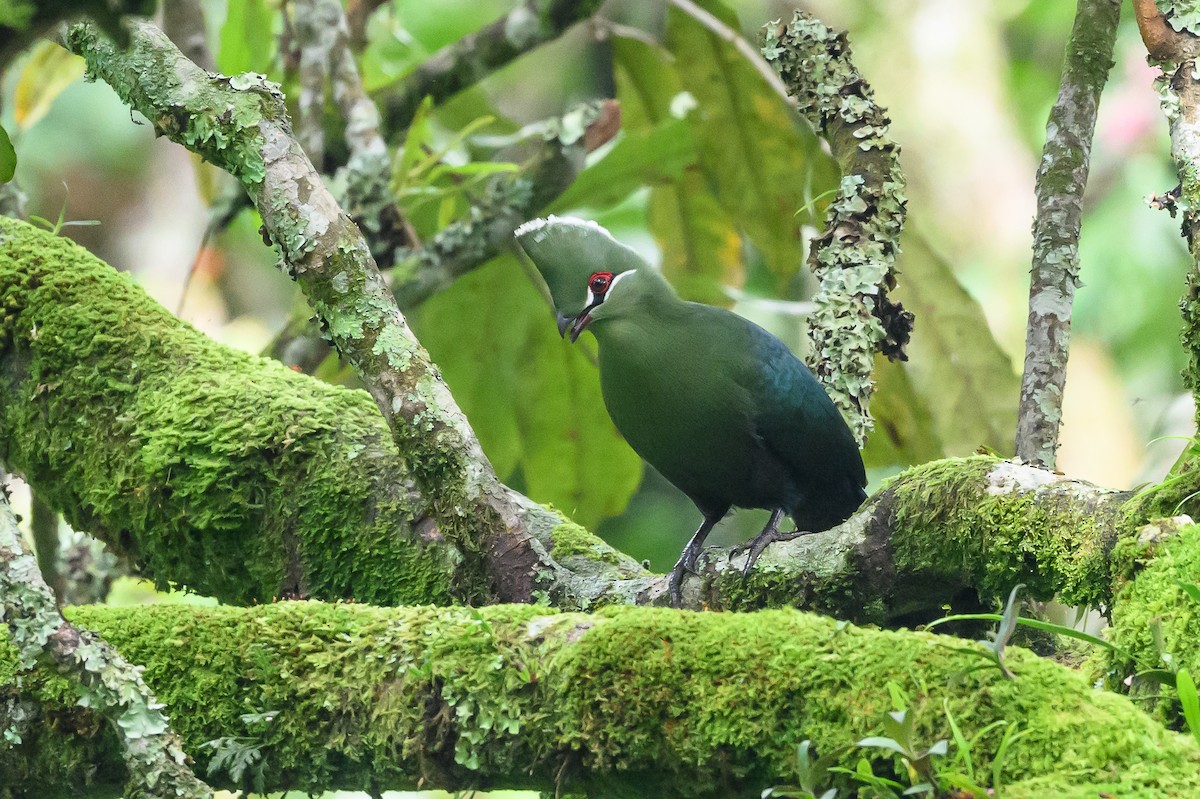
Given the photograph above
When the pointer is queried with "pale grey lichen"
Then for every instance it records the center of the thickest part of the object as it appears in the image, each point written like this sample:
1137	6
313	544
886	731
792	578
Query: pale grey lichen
854	258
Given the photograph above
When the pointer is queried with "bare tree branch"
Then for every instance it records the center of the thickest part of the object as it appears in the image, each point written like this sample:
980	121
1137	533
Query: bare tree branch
1061	179
474	57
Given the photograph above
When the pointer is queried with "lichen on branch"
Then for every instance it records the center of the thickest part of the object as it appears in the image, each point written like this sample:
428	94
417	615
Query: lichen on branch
854	257
241	125
99	678
1061	179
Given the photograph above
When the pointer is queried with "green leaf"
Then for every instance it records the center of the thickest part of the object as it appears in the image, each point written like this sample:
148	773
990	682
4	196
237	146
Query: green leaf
1191	589
533	399
904	426
763	162
1189	701
247	42
639	158
879	742
1036	624
475	332
962	377
647	83
8	157
701	248
1162	677
49	70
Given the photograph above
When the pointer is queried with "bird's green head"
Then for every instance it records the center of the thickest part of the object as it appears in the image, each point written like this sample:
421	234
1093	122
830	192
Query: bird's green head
581	263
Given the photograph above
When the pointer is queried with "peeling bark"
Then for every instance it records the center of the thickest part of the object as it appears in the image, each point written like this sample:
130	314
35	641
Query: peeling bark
1061	179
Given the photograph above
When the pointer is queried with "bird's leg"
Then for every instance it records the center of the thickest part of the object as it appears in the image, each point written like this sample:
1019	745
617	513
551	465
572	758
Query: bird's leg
769	535
687	561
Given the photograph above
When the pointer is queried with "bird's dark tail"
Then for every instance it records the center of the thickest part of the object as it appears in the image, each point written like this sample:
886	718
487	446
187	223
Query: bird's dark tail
829	508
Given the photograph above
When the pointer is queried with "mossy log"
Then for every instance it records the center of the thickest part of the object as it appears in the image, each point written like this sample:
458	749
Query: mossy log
626	701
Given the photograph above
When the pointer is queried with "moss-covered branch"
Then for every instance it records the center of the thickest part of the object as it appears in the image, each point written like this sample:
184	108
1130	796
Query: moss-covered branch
211	468
100	678
1061	178
938	532
625	702
1156	615
241	124
854	257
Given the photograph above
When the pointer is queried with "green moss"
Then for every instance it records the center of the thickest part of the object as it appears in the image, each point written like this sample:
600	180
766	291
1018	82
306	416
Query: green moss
212	468
1154	609
572	540
674	689
627	701
975	518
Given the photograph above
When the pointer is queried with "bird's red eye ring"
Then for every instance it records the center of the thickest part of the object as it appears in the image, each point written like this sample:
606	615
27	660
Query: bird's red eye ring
599	282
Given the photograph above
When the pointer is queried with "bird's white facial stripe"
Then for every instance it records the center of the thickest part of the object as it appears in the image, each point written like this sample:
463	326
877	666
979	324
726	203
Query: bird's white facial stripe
617	279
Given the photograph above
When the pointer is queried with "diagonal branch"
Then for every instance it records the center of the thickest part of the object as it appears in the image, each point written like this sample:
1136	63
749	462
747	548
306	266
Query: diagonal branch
472	58
1061	179
241	125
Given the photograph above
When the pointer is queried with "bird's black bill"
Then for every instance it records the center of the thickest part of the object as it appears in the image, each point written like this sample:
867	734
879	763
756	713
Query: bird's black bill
564	322
574	325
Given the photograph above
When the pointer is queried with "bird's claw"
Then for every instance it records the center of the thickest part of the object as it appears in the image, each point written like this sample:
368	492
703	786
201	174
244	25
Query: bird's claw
684	567
675	587
765	539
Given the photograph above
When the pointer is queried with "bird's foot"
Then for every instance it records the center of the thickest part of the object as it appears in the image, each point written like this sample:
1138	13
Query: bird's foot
683	567
765	539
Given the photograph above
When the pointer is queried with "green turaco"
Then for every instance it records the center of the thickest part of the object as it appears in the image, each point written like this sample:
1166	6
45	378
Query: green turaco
719	406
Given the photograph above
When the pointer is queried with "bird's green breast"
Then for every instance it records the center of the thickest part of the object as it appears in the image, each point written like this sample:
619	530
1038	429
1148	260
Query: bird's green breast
669	383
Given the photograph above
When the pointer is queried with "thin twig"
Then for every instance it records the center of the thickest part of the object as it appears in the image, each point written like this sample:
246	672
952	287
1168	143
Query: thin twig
477	55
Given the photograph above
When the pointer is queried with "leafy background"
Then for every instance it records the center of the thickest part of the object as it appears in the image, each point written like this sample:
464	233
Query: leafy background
714	178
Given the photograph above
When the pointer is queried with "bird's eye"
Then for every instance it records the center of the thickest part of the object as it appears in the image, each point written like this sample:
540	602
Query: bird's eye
599	282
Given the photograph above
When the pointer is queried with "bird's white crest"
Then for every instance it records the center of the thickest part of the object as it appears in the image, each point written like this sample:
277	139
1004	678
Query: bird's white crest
541	226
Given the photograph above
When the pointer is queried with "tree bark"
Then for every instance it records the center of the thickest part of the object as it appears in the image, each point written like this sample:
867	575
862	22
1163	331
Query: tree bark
1061	179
